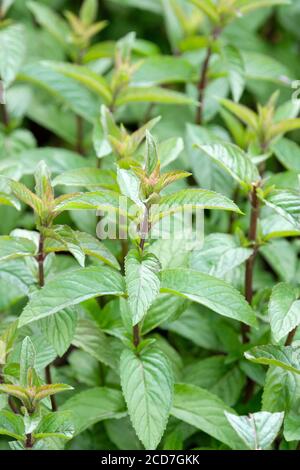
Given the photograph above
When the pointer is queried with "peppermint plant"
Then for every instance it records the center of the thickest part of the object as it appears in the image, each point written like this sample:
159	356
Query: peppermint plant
149	225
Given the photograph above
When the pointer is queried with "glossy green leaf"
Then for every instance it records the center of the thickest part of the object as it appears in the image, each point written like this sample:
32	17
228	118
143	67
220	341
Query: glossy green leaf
147	385
94	405
142	282
209	291
234	161
284	310
259	430
286	357
206	412
65	291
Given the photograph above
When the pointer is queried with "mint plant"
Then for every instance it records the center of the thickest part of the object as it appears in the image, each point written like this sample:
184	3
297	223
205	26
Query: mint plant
150	222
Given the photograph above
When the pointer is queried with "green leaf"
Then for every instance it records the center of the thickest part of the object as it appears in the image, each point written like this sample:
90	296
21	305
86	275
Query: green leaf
191	199
12	52
235	161
94	82
286	203
60	329
65	291
259	430
209	291
88	244
206	412
152	95
51	21
250	5
15	391
98	200
27	360
63	238
163	69
15	247
284	126
151	154
284	310
58	424
241	112
91	178
88	11
66	90
58	160
47	390
286	357
92	340
288	153
8	200
94	405
208	8
212	373
129	185
142	282
235	65
147	385
25	195
11	425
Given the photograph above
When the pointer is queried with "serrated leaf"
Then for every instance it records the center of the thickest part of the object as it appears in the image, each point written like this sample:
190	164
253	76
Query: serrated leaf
15	247
14	390
51	21
89	245
234	160
142	282
258	430
212	373
11	425
286	203
98	200
47	390
191	199
284	310
91	339
58	424
94	405
206	412
147	385
88	178
236	72
27	360
60	329
209	291
65	291
25	195
12	51
286	357
87	77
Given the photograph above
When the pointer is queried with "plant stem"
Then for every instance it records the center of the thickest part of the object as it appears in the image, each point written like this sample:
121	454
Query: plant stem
29	441
249	277
250	261
145	227
4	115
204	78
40	259
290	337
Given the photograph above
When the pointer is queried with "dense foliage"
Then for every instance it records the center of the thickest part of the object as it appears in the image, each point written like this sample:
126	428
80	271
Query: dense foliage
124	121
